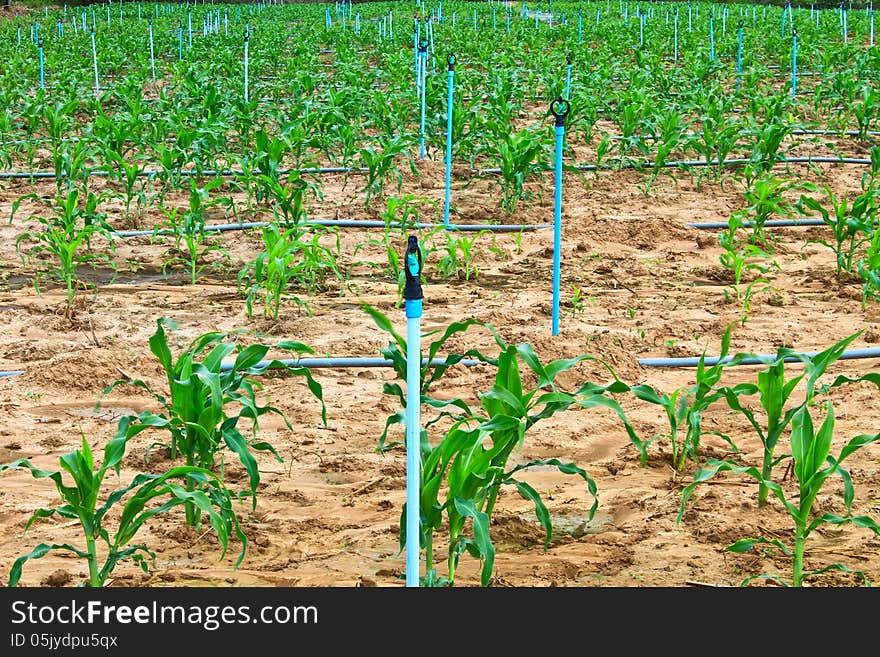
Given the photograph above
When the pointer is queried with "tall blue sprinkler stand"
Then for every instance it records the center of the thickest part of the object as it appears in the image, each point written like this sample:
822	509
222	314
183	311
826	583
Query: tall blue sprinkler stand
412	295
559	108
450	60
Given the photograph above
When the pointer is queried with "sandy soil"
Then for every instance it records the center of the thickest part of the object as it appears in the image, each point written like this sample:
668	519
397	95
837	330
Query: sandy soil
650	286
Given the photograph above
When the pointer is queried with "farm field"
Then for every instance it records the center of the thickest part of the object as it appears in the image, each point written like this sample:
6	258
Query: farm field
246	177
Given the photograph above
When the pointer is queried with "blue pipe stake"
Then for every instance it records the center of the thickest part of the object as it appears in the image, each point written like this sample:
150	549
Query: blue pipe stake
180	40
872	27
783	22
675	38
423	74
412	294
152	54
711	38
739	56
450	60
559	108
794	62
95	64
246	39
417	32
568	77
580	28
42	75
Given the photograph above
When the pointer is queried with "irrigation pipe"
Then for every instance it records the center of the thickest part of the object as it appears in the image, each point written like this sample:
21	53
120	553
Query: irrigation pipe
712	163
761	359
703	163
778	223
183	172
688	361
11	373
345	223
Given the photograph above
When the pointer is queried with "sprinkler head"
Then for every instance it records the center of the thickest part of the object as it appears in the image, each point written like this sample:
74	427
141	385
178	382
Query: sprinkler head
559	108
412	289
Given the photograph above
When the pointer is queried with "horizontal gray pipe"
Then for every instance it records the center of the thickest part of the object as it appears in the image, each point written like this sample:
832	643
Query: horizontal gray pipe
345	223
317	363
847	133
705	163
761	359
779	223
186	172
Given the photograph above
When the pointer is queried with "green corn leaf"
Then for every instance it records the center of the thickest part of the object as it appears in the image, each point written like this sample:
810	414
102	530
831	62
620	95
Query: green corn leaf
385	324
481	536
37	553
543	515
159	344
746	544
236	442
249	357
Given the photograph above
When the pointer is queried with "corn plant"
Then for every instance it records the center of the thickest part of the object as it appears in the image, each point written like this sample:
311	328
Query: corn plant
288	196
672	127
520	156
765	197
381	164
209	398
457	260
868	269
813	466
852	226
192	243
430	373
287	262
128	172
67	236
740	256
463	474
684	407
146	497
774	392
400	215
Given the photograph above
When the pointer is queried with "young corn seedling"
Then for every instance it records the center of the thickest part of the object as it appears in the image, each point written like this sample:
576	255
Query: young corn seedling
208	399
67	236
519	155
813	466
192	242
128	173
401	214
851	226
463	474
429	374
774	392
765	197
685	406
381	165
869	271
287	262
458	262
739	257
145	498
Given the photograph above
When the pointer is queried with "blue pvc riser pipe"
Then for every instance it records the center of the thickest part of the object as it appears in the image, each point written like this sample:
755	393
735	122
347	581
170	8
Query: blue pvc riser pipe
412	294
448	182
559	108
